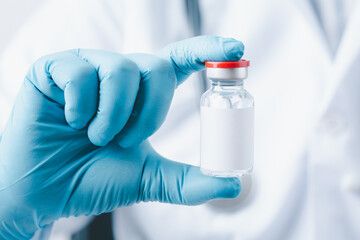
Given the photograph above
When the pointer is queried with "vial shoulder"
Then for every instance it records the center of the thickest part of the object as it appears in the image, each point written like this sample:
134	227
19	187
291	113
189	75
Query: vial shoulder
236	99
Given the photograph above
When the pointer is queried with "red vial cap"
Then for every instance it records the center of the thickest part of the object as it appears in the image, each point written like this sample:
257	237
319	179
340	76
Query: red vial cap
239	64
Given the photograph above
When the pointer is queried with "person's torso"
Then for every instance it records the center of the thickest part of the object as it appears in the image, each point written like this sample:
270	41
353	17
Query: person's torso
305	161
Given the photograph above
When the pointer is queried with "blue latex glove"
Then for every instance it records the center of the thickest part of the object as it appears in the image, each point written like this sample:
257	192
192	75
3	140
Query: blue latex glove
76	143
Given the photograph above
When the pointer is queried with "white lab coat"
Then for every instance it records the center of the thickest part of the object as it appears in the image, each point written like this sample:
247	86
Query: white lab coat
306	180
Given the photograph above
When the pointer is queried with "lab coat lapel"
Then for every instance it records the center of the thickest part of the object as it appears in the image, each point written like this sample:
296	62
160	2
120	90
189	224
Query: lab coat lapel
348	50
346	54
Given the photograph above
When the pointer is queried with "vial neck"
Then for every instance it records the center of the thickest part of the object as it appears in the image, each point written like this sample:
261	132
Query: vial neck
230	85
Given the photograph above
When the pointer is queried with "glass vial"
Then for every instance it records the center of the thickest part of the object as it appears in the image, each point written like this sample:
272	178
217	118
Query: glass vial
227	121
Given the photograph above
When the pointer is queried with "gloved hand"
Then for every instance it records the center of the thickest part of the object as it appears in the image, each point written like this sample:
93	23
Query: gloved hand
75	143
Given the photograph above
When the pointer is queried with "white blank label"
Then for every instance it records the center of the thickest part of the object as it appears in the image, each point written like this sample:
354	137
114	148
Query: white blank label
227	138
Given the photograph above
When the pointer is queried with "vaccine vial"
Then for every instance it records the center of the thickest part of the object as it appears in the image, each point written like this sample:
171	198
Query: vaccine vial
227	121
